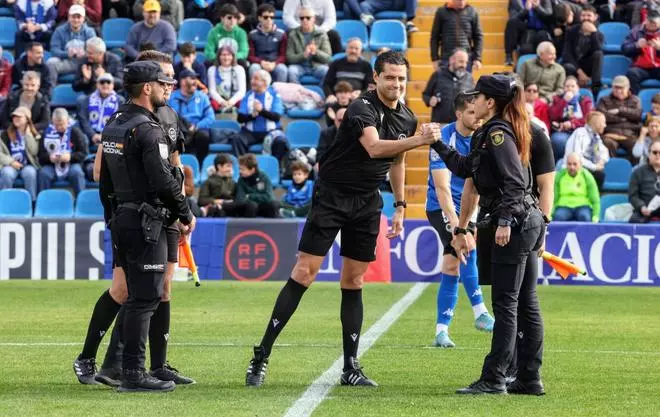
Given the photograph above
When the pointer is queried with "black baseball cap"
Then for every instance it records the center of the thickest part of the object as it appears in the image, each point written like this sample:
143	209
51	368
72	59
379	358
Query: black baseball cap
186	73
144	72
494	86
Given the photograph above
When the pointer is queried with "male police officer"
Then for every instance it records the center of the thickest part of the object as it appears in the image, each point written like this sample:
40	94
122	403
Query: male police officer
139	192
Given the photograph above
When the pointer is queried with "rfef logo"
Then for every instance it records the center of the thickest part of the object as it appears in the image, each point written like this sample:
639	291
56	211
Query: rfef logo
252	255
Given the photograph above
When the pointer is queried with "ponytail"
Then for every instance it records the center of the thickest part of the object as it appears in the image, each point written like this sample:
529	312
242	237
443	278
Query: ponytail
515	113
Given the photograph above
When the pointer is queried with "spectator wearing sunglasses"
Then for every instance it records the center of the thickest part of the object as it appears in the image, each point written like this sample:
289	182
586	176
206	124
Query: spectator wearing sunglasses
268	46
540	107
95	109
308	49
645	187
227	28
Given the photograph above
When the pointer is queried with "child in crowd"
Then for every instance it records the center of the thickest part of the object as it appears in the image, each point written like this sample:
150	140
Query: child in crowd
216	197
254	189
654	113
298	198
344	94
189	60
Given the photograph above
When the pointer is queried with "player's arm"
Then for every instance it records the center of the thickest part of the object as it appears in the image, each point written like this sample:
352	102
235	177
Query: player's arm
469	201
96	173
377	148
441	179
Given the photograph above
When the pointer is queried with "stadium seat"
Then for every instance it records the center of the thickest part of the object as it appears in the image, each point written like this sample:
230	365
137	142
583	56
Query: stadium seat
279	14
614	65
352	29
603	93
388	34
271	167
645	96
609	200
66	78
54	203
208	162
88	204
192	162
373	61
340	55
15	202
522	60
224	124
195	31
64	96
559	165
297	113
8	30
614	33
309	80
6	11
8	56
340	14
303	134
388	204
114	31
587	92
279	23
391	14
651	83
256	148
617	174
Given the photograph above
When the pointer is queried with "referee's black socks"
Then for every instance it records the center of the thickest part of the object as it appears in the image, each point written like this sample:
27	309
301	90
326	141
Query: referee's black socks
352	312
104	313
285	306
159	332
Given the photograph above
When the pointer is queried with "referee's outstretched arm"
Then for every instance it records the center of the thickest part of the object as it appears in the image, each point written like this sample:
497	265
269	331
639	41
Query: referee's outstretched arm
377	148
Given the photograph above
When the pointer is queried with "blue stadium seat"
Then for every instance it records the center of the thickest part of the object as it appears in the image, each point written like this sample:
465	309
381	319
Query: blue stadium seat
296	113
340	55
15	202
269	165
391	14
388	34
256	148
651	83
224	124
614	65
54	203
559	165
8	30
6	11
88	204
115	31
8	56
195	31
617	174
587	92
609	200
309	80
614	33
645	96
373	61
603	93
279	14
340	14
66	78
303	134
192	162
352	29
280	24
64	96
208	162
388	204
522	59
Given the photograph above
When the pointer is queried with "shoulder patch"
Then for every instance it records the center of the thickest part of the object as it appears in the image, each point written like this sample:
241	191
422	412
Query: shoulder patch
497	137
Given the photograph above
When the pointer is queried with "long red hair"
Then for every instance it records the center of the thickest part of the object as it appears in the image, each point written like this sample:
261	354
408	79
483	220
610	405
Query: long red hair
514	112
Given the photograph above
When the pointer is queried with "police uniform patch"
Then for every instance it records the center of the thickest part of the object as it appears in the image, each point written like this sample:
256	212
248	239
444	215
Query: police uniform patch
497	137
171	132
164	150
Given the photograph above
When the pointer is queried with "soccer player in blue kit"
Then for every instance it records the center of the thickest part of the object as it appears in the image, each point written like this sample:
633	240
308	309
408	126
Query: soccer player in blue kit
443	201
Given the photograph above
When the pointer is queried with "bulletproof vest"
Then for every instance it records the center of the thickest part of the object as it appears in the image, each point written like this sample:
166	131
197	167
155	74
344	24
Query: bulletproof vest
116	139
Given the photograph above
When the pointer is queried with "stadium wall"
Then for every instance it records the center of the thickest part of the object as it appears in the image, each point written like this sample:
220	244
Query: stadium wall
259	250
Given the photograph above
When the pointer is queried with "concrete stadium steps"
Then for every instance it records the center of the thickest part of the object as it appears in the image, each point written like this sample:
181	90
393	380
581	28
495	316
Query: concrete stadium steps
418	158
489	24
423	40
416	211
416	194
416	176
423	56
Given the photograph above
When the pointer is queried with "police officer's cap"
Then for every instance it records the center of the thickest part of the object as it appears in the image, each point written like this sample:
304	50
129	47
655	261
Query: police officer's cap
144	72
494	86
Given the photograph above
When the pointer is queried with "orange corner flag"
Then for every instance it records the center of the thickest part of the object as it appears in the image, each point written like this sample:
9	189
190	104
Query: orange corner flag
562	266
186	260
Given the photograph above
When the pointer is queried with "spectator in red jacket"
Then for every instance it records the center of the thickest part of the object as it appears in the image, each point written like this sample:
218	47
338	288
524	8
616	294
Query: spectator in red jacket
540	106
642	45
5	77
567	112
93	9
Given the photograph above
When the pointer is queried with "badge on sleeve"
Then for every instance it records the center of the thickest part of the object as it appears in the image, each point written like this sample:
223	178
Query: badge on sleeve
164	150
497	137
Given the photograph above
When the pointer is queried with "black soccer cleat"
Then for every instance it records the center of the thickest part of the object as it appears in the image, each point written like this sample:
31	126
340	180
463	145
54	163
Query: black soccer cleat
137	380
519	387
109	376
482	387
85	369
167	373
256	372
355	377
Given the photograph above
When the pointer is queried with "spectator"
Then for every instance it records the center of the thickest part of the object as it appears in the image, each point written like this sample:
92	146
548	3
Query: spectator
328	136
543	71
583	50
456	25
540	107
5	78
564	17
170	11
567	113
527	26
189	61
445	84
624	116
35	20
535	120
199	9
93	10
308	49
33	61
226	81
95	110
645	187
655	107
18	152
29	96
67	46
365	10
219	189
260	113
189	191
298	198
154	30
255	189
120	7
98	62
586	142
195	111
352	68
63	151
227	29
343	97
247	12
325	17
576	193
642	45
641	149
268	46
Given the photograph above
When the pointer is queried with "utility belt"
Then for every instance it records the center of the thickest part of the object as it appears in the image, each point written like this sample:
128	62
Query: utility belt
528	203
152	219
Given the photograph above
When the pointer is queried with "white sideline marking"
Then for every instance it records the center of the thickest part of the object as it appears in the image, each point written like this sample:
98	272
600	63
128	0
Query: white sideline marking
316	393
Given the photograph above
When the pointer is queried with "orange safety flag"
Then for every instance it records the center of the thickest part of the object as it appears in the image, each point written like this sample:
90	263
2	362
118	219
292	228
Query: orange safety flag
562	266
381	269
186	260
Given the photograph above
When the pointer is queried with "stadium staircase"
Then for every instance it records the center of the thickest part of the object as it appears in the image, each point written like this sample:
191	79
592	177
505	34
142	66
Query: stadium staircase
493	16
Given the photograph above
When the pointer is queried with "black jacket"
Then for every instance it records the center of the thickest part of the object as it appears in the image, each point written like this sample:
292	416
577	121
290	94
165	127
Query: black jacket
642	187
445	86
578	46
518	12
78	149
456	29
21	66
358	74
40	110
111	64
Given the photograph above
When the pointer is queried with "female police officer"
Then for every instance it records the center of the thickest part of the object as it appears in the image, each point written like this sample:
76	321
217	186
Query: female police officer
511	226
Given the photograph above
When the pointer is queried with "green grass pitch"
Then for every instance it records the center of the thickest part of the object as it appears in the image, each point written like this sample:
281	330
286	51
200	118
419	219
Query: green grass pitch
602	354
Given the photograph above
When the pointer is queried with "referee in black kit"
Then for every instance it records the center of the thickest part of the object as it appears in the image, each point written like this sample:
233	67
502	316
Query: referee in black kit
137	185
511	227
376	132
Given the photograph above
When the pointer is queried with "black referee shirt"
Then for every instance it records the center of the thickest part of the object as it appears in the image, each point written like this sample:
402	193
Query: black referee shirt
542	160
347	165
169	120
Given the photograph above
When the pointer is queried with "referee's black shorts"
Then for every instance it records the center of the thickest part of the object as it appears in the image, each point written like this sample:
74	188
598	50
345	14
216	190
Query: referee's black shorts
440	223
357	215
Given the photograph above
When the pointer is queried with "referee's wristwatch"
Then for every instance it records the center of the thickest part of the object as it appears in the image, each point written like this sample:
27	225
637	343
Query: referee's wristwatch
398	204
459	231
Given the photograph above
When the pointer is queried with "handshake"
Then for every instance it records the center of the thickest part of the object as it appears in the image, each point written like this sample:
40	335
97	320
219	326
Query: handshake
431	133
